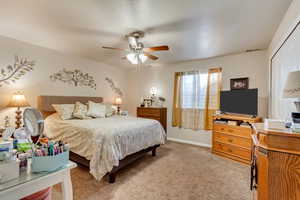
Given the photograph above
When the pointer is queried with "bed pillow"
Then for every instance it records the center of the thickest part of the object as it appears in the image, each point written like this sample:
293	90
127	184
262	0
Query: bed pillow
80	111
65	111
110	111
96	109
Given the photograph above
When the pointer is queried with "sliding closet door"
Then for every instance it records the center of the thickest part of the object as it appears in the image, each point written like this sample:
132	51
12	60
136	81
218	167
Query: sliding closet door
286	60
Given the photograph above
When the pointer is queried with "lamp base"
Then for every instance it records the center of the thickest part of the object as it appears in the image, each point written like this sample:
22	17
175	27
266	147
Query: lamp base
297	104
18	118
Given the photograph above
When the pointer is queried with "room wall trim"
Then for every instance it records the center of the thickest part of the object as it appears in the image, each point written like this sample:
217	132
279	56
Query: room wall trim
189	142
274	52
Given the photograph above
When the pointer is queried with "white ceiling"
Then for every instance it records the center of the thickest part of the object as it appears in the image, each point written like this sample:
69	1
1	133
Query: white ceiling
193	29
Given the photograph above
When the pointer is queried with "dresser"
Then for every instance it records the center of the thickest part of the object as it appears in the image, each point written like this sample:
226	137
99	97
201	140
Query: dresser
159	114
276	164
233	141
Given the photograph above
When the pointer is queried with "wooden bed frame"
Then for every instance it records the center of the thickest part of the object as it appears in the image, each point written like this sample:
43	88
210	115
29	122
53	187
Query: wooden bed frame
45	107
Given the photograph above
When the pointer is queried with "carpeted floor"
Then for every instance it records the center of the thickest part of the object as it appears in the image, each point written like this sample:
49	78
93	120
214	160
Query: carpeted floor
178	172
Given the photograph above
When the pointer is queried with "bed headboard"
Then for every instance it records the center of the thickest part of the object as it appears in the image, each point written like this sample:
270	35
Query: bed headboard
44	103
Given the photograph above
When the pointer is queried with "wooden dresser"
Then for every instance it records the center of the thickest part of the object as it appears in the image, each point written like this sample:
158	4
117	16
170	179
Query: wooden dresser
159	114
276	164
233	141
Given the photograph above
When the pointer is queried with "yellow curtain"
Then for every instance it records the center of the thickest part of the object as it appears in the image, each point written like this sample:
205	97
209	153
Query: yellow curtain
212	96
177	110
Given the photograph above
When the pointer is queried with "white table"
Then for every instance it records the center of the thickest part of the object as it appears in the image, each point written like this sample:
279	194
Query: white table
29	183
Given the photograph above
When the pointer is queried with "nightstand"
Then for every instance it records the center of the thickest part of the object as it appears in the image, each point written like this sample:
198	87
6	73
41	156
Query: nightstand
159	114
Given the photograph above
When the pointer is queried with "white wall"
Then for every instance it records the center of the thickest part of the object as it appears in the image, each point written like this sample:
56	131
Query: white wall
253	65
285	26
291	60
48	62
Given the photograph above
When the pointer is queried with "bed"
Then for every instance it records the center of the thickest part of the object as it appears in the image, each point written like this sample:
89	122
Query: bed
105	145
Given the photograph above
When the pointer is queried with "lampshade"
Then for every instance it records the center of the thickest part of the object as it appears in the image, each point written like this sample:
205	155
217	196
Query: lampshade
118	101
292	85
136	58
18	100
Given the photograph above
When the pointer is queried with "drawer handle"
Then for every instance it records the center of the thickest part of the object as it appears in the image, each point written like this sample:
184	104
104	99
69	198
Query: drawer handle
222	129
229	150
230	140
230	130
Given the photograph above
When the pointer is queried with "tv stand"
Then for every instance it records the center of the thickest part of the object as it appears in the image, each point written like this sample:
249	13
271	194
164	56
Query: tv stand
231	137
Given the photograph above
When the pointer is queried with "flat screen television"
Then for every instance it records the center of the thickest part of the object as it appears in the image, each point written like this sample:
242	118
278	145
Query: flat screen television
239	101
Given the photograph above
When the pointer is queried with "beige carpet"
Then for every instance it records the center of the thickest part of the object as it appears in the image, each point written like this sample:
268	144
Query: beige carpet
178	172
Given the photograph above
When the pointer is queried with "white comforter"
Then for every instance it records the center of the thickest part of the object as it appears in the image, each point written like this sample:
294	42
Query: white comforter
105	141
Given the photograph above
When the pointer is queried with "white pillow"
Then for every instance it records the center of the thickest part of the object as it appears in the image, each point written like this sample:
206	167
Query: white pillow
110	111
80	111
96	109
65	111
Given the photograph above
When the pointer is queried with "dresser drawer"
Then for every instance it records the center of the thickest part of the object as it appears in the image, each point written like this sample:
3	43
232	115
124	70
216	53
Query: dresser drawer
232	150
233	130
233	140
148	112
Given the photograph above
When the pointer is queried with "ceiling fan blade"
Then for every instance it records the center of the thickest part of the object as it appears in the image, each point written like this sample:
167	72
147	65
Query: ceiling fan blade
113	48
158	48
152	57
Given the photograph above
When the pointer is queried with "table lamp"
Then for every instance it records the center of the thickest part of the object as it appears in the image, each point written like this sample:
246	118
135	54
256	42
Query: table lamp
118	102
18	100
292	90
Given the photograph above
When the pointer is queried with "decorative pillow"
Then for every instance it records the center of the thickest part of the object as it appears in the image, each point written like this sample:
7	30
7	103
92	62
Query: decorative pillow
80	111
65	111
110	111
96	109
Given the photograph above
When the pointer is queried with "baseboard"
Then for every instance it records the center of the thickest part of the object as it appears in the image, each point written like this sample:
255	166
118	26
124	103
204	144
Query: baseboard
189	142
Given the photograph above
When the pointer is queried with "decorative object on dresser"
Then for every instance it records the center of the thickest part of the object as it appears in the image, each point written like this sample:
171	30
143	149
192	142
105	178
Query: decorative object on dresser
18	100
159	114
239	83
231	141
74	77
275	165
14	72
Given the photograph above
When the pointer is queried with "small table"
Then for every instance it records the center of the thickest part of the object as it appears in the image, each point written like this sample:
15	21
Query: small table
29	183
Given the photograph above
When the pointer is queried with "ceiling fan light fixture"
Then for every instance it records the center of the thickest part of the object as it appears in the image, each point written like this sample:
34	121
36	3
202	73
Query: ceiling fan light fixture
136	58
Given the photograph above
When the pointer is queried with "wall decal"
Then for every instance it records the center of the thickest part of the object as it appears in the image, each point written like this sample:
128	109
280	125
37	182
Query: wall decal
113	87
12	73
74	77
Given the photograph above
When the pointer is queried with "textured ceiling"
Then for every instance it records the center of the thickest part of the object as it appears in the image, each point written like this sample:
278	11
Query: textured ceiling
193	29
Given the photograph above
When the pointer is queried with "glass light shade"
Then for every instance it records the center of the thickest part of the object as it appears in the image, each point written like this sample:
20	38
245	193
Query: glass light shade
135	58
143	58
118	101
18	100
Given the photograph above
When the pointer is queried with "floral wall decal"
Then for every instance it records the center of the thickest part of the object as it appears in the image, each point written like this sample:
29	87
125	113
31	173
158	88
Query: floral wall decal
14	72
113	87
74	77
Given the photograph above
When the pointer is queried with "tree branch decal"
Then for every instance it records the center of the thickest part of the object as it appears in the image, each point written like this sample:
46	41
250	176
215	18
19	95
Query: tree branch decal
12	73
113	87
75	77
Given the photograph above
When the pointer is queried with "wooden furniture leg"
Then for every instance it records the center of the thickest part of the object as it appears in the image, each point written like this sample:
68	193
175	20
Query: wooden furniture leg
67	189
111	177
154	151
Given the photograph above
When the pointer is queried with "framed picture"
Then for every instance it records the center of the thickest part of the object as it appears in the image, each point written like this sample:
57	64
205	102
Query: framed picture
239	83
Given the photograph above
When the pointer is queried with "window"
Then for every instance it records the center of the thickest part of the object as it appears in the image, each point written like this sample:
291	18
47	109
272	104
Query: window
193	90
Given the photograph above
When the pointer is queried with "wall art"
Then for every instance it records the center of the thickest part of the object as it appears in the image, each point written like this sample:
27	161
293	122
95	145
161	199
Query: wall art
74	77
14	72
113	87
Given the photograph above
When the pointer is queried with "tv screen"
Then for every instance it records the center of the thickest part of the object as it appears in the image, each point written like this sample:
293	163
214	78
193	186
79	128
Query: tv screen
239	101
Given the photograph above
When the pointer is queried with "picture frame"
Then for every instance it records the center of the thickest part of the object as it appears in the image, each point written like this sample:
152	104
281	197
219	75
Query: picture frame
239	83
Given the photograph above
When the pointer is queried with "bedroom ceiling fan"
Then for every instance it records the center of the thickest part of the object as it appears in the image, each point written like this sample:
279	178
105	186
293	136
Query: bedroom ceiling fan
137	53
